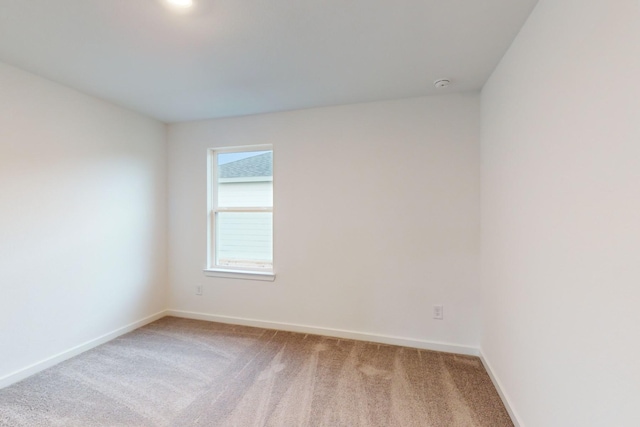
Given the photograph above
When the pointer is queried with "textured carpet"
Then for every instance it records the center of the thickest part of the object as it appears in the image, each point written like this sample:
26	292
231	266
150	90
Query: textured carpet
178	372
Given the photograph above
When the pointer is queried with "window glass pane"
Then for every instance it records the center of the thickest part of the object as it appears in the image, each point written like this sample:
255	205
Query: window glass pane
245	179
244	239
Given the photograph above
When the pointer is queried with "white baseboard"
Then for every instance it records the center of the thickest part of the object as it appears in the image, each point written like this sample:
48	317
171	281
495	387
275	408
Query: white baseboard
67	354
517	421
338	333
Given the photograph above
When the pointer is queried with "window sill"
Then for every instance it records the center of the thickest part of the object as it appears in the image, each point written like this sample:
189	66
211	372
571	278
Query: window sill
240	274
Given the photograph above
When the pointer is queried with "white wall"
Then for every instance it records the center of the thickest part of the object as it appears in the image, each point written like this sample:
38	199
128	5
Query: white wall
376	218
561	216
82	218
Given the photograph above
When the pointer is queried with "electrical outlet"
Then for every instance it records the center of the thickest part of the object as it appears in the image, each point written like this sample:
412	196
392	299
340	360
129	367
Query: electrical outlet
199	290
438	312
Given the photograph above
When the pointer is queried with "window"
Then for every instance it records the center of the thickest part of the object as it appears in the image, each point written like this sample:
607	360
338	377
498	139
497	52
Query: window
240	225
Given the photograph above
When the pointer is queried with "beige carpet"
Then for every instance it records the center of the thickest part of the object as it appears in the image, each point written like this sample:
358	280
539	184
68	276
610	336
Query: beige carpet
177	372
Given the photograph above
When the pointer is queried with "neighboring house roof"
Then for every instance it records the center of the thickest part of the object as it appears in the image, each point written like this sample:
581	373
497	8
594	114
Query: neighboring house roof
260	165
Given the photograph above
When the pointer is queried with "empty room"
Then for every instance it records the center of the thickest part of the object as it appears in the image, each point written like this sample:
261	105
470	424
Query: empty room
320	213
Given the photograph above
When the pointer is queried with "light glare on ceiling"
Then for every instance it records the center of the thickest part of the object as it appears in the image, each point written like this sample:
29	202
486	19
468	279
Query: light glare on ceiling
181	3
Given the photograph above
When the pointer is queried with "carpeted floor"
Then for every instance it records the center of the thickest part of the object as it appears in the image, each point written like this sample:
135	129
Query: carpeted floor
178	372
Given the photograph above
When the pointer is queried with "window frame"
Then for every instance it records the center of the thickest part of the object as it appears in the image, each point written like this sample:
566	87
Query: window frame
212	269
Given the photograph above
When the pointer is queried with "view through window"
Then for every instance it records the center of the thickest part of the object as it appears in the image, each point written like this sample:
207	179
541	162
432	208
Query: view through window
242	210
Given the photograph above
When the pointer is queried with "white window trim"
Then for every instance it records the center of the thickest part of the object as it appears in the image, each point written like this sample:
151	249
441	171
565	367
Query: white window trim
240	274
213	270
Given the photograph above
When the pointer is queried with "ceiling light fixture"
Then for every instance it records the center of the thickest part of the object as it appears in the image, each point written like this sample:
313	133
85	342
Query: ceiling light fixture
183	4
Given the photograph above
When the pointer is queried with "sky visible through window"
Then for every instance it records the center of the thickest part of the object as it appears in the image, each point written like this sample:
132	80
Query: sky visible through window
224	158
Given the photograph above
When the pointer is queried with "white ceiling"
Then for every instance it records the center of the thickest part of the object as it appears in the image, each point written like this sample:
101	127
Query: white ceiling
237	57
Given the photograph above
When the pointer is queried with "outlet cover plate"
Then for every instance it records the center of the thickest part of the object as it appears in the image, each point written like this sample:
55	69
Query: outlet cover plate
438	312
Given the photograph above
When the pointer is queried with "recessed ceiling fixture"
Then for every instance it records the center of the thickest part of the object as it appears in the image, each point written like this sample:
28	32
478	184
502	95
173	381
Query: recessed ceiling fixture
183	4
442	83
